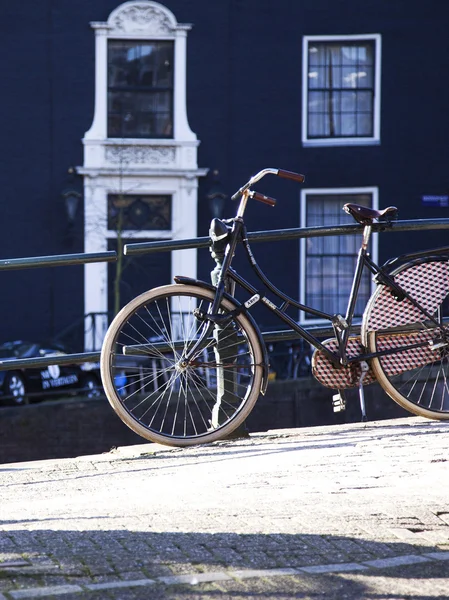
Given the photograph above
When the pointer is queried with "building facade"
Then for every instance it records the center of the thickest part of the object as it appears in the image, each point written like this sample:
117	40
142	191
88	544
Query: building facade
134	107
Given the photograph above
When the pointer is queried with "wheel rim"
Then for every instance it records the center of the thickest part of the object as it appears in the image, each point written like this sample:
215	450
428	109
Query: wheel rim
164	393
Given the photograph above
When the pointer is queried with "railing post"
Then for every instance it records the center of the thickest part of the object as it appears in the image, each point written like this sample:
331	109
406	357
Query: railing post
225	350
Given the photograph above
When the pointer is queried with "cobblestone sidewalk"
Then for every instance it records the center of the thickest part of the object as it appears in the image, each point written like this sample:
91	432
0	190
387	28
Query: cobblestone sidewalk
349	511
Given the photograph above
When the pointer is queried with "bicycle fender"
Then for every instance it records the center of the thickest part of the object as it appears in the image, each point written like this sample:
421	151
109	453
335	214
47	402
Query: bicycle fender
203	284
393	265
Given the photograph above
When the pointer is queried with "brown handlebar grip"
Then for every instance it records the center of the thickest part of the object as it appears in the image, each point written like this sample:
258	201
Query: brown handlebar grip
264	199
291	175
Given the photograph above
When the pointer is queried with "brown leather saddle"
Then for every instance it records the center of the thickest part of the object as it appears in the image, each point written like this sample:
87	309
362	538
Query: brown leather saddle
366	216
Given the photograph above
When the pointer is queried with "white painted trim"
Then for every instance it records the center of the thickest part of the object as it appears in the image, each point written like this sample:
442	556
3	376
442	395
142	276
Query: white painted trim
374	191
141	19
356	141
138	166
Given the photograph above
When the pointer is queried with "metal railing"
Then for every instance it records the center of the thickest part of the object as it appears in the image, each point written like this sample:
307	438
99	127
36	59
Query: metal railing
134	249
279	235
57	260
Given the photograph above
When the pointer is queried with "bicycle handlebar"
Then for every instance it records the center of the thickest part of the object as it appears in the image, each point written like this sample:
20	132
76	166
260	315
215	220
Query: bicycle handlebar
291	175
259	175
262	198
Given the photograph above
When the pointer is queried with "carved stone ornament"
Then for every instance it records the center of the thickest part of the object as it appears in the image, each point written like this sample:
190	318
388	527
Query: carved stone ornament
139	155
149	18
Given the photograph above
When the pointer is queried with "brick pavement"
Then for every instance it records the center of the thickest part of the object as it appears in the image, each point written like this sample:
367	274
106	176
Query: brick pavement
348	511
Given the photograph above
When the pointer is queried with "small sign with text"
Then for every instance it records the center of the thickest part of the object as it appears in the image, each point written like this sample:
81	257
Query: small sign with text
436	200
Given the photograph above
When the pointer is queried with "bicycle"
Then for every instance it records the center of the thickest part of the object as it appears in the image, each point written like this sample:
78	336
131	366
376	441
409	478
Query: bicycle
206	353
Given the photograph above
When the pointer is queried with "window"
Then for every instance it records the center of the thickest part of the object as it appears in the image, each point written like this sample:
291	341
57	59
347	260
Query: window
341	90
134	213
140	89
328	263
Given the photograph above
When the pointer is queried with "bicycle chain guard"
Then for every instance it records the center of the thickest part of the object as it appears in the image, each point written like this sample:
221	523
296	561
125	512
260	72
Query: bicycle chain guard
338	376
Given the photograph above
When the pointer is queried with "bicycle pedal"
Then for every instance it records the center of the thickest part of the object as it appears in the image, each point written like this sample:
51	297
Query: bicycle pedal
338	402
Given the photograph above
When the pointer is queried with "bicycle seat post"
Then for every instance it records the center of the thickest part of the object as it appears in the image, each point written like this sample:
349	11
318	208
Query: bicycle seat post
366	236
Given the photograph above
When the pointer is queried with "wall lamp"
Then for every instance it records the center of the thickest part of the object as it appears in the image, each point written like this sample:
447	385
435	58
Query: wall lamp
216	195
71	195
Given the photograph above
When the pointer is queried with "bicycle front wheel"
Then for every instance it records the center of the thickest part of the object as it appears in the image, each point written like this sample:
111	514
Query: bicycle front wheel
414	369
164	396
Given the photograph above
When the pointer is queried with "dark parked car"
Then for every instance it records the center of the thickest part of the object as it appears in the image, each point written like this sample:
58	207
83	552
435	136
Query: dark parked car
20	386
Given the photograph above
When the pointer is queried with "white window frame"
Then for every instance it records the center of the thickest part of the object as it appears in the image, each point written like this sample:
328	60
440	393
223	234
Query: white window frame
342	141
305	193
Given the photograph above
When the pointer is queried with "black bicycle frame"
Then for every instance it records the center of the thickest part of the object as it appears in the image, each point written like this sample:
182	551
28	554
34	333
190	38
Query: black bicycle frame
341	326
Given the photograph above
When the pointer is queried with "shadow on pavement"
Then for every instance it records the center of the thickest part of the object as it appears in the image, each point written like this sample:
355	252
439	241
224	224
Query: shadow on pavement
122	562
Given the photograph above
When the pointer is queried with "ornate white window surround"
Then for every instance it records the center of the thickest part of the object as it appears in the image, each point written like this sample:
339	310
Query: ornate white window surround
137	166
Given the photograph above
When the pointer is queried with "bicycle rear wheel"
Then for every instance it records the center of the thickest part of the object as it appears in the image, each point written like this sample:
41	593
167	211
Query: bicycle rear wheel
415	372
156	392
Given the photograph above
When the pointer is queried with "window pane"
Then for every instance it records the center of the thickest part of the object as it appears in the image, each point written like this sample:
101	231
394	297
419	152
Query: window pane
364	124
139	212
330	261
316	78
317	113
348	102
348	125
334	69
365	54
364	101
350	77
140	114
365	77
348	55
314	57
140	89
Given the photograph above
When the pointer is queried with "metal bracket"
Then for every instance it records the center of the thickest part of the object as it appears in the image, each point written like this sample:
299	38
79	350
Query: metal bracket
340	322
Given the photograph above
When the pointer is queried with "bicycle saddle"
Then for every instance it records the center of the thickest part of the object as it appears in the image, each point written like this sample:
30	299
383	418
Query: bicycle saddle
366	216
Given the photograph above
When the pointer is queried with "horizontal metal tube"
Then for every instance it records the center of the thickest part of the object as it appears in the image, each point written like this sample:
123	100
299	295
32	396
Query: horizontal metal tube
279	235
270	336
166	246
64	359
142	349
58	260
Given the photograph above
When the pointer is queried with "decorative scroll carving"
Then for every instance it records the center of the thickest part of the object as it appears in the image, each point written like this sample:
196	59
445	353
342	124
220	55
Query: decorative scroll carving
138	155
142	17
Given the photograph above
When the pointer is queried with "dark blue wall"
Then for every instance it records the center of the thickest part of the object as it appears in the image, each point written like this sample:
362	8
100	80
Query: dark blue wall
244	103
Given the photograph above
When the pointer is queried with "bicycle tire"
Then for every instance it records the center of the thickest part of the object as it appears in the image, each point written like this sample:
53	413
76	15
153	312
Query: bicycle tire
154	393
417	375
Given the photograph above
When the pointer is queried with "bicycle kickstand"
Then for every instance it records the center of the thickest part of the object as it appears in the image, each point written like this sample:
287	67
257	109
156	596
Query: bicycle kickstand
365	368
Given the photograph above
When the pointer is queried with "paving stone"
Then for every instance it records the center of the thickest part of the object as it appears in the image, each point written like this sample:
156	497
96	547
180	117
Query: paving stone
343	505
